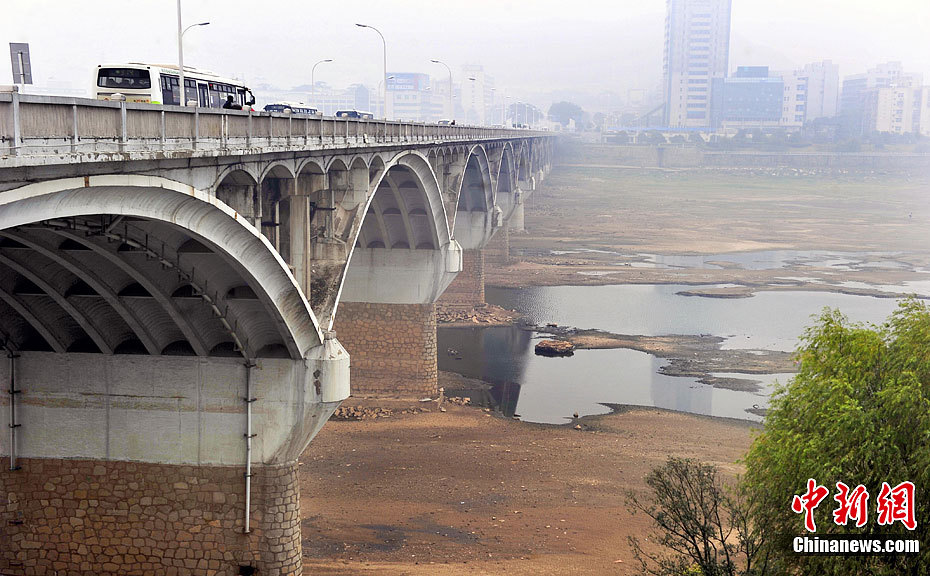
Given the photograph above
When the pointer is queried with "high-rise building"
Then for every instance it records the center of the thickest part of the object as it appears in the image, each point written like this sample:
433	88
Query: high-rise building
883	99
811	92
477	94
697	45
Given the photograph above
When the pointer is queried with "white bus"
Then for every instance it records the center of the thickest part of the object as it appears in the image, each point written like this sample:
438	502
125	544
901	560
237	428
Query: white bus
158	84
292	108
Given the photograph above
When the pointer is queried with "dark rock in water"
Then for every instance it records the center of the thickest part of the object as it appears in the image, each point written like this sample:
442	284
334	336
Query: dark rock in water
555	348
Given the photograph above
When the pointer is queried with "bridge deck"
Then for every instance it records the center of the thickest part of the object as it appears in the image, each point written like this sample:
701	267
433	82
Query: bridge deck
42	130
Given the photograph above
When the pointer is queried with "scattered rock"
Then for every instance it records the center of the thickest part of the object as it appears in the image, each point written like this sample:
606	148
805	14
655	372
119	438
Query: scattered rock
555	348
362	413
577	426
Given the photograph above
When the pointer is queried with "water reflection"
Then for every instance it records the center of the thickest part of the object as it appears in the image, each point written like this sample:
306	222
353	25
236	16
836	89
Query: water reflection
768	320
552	389
541	389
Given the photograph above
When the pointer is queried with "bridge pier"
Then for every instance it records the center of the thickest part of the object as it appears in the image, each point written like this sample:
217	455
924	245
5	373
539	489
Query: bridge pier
467	290
497	250
392	346
136	518
135	464
516	222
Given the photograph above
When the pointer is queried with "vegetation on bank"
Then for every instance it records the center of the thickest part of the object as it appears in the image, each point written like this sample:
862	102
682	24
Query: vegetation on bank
857	413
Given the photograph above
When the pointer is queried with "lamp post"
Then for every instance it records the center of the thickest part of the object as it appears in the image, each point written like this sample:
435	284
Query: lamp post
181	32
312	84
475	110
384	55
384	102
451	104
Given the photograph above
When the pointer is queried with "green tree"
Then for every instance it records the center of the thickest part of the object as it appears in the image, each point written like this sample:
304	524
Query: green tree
857	412
563	112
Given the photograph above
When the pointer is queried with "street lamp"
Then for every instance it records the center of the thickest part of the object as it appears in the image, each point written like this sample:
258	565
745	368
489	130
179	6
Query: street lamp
473	80
181	32
451	105
312	71
384	103
384	55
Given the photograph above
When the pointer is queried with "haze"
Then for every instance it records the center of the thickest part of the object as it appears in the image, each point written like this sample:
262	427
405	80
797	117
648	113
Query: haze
541	50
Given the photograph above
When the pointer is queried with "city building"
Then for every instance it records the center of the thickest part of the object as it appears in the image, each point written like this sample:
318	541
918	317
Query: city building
883	99
477	91
751	98
697	43
897	109
355	97
811	92
410	97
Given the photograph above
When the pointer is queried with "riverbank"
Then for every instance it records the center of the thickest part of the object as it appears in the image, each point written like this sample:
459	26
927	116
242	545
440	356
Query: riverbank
465	492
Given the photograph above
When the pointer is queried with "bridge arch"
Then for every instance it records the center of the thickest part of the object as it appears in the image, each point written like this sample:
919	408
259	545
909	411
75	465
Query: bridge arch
472	221
506	183
139	264
401	248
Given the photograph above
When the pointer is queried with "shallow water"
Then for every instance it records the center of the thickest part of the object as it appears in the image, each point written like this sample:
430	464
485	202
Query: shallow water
768	320
541	389
756	260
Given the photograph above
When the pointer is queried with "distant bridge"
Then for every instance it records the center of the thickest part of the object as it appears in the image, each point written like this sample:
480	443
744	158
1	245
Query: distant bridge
169	285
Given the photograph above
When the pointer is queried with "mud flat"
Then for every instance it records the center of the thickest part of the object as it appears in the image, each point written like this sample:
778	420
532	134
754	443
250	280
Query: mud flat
464	492
618	216
697	356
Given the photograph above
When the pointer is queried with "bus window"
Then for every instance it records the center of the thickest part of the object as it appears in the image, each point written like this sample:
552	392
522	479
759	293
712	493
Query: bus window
190	89
125	78
169	90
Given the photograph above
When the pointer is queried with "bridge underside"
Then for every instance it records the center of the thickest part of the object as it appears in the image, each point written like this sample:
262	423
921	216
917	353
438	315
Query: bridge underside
166	365
121	285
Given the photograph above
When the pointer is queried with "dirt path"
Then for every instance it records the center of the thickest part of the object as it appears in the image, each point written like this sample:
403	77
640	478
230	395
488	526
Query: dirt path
464	492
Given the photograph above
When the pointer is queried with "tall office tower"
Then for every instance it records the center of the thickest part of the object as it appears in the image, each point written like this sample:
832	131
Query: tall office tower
697	46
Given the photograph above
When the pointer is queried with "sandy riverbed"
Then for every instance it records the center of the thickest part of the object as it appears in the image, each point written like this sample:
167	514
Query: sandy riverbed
464	492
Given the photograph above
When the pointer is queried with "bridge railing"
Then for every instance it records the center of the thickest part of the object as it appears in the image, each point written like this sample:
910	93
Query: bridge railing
32	125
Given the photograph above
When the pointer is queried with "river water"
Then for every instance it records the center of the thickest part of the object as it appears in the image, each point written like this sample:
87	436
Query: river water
551	390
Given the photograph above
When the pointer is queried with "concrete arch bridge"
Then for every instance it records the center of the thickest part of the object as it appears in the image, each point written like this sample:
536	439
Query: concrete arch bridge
172	285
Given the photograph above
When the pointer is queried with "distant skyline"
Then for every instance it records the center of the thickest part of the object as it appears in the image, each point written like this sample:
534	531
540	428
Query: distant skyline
542	50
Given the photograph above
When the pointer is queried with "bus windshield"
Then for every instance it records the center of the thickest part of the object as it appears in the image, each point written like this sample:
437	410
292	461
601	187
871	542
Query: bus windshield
125	78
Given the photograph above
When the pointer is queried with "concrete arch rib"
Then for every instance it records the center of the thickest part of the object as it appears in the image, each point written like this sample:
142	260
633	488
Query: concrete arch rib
82	320
446	252
13	302
97	284
200	214
193	338
473	217
506	183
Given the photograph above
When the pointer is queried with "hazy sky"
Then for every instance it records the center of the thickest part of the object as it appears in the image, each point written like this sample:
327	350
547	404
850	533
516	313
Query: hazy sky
542	49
